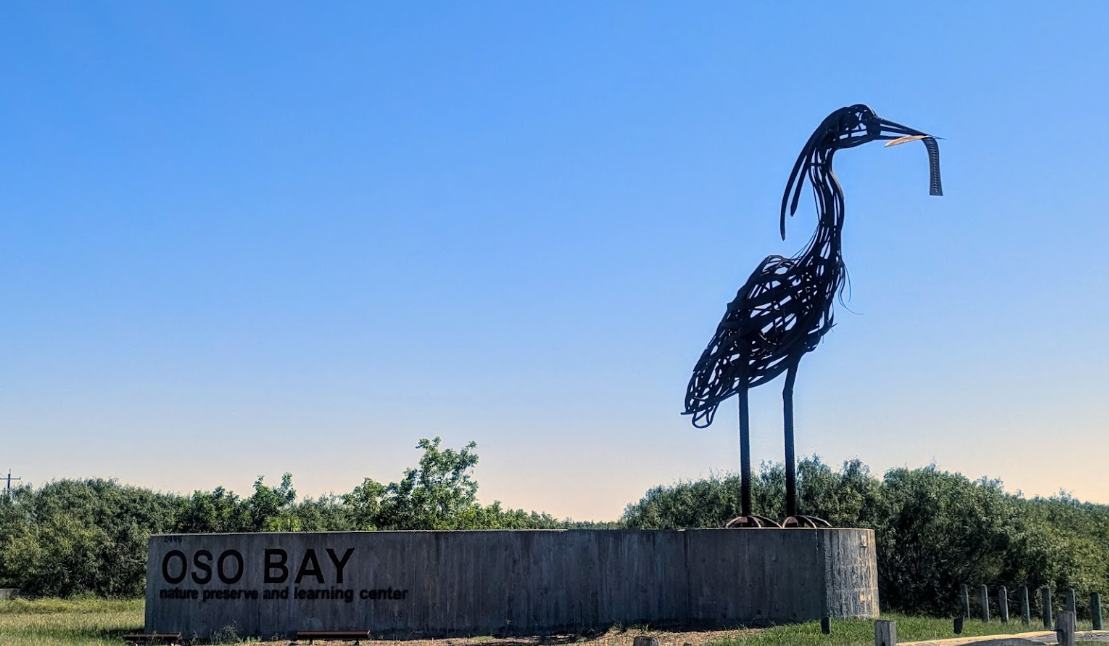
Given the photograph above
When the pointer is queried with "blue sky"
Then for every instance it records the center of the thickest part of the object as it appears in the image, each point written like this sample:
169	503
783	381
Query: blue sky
242	239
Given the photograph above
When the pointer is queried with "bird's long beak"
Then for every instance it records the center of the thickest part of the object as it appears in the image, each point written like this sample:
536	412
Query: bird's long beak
895	131
897	134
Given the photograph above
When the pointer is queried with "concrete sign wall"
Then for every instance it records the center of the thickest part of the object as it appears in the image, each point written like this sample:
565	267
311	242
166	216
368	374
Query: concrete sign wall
412	584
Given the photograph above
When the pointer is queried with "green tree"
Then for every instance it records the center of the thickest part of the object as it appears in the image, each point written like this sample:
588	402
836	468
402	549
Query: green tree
325	513
435	493
80	536
363	505
212	512
15	518
56	556
938	530
270	508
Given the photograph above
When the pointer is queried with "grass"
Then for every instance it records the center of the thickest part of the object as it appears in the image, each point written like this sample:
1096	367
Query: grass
102	622
860	632
57	622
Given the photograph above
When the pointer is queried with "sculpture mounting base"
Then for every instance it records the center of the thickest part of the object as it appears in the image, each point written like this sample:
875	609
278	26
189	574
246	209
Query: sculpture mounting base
523	582
801	520
752	521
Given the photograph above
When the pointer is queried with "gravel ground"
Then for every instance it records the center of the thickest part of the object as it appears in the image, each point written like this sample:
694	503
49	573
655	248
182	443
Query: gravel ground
614	637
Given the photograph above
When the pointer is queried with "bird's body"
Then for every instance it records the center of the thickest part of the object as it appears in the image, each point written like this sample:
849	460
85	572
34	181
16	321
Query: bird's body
779	314
785	307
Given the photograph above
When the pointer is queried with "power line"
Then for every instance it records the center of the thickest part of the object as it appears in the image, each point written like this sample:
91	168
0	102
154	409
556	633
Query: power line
8	489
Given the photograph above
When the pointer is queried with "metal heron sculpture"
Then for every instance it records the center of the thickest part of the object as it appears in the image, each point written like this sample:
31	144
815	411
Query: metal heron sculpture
785	307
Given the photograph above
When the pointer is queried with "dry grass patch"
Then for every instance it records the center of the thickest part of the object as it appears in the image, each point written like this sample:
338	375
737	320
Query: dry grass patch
55	622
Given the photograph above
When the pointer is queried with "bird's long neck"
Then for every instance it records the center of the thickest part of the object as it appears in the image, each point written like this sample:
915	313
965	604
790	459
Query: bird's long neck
824	249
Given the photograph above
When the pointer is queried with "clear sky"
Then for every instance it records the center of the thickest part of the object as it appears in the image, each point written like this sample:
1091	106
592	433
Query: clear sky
239	239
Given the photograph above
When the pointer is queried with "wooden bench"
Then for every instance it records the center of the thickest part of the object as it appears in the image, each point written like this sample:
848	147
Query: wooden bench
148	638
356	635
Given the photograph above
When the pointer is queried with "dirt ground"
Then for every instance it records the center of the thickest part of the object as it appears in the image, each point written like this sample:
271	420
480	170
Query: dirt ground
614	637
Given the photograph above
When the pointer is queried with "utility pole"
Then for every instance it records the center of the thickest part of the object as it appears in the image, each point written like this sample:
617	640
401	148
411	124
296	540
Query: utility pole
8	489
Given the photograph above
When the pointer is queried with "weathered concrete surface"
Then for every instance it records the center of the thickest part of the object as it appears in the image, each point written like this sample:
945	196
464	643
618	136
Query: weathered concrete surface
411	584
9	593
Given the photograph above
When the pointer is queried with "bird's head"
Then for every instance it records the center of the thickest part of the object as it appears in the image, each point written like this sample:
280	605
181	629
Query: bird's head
846	128
856	125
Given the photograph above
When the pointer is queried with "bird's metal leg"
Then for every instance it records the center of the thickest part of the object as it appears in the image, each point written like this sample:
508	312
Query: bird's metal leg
791	462
744	453
746	518
792	518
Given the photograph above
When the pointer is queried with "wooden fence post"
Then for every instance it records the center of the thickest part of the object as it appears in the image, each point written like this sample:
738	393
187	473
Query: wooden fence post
1003	604
984	594
1064	632
1070	601
958	625
964	595
1025	607
1045	595
1095	610
885	633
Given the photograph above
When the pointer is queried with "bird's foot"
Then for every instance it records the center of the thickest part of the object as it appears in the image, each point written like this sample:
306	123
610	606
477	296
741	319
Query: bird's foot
751	520
805	521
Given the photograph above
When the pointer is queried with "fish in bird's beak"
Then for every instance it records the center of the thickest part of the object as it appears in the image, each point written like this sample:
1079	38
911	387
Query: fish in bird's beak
903	140
897	134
